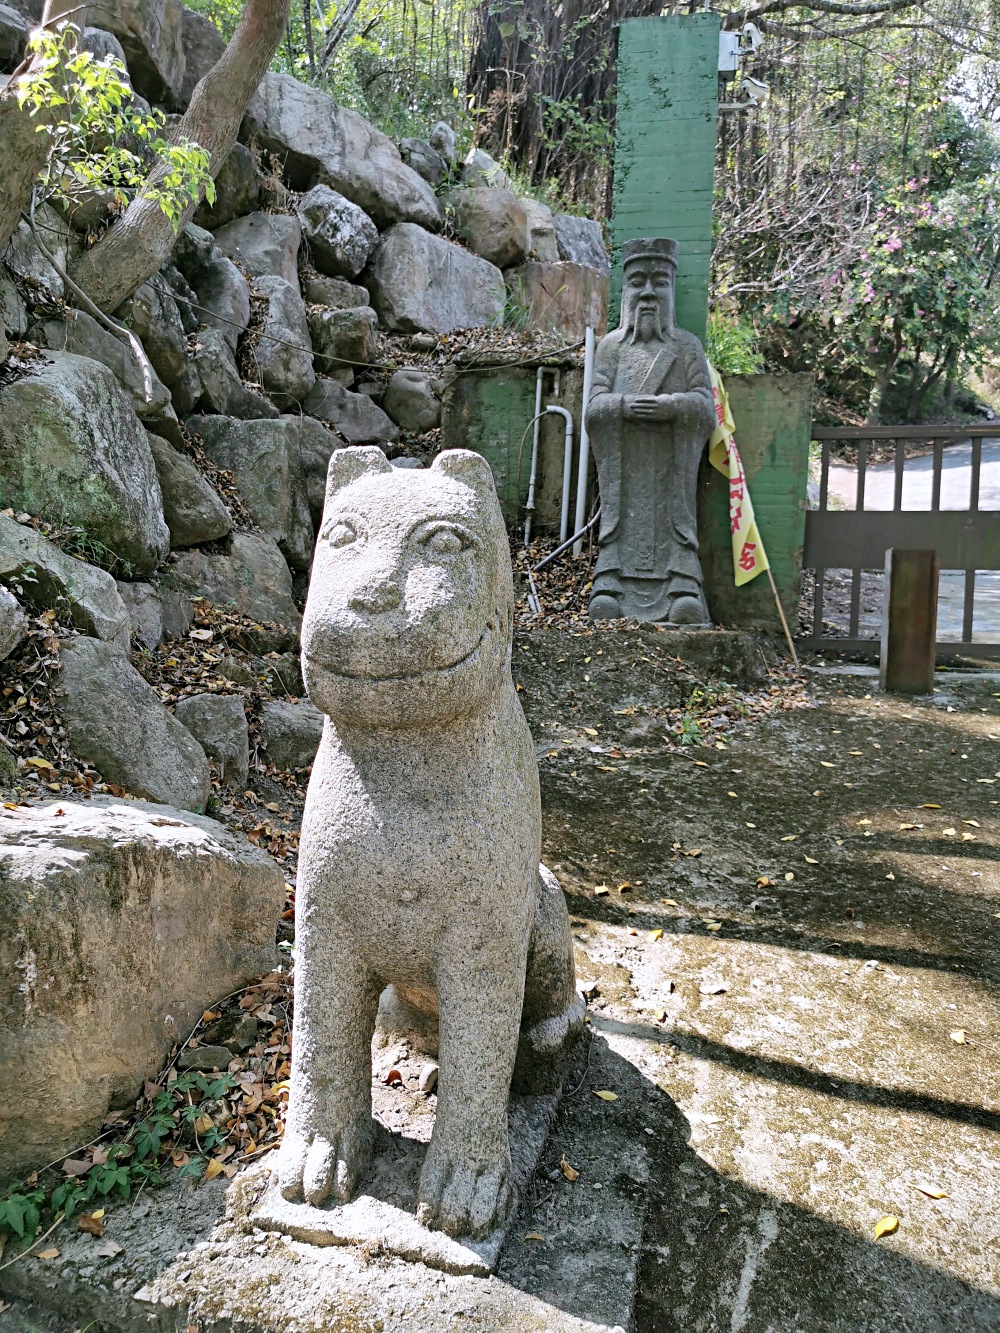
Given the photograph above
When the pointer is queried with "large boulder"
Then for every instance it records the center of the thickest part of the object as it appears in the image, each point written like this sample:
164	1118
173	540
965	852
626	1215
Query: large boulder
72	450
324	143
290	732
224	297
340	235
253	580
581	241
120	923
343	337
193	510
222	390
542	242
443	140
333	292
203	45
561	299
481	169
48	579
265	245
13	622
425	160
80	333
145	613
193	249
26	261
14	316
117	722
152	35
421	283
237	190
218	723
492	223
283	352
13	36
154	315
263	457
413	400
352	415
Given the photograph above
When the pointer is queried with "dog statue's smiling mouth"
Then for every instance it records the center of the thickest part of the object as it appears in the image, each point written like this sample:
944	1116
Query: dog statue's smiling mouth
407	675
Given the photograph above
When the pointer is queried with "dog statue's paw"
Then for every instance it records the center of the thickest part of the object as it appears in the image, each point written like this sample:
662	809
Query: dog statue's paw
316	1167
461	1198
549	1038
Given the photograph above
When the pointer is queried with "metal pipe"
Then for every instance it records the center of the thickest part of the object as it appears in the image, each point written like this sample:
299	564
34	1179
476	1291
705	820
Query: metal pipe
567	416
533	476
552	555
584	464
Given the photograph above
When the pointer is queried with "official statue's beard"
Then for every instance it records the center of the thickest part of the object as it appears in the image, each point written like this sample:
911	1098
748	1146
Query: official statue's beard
646	326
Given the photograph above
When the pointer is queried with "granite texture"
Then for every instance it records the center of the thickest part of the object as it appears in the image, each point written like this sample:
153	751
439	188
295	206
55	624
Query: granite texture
419	863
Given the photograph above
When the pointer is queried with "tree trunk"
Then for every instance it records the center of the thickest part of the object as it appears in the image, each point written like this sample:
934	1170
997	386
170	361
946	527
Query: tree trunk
141	241
23	150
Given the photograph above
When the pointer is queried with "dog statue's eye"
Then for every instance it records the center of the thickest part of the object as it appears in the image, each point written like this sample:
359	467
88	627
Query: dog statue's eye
446	539
340	533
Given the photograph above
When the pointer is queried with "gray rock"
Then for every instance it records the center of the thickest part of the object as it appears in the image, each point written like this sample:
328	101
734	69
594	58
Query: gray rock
423	283
193	250
265	245
203	45
424	160
283	352
117	722
224	295
26	261
542	242
218	723
426	794
442	140
152	35
237	1032
321	142
263	457
352	415
177	611
282	671
72	450
145	614
13	316
481	169
291	732
193	510
237	190
81	334
185	296
343	337
253	579
13	36
340	235
13	622
406	462
561	299
89	210
222	390
334	292
152	314
492	222
411	400
103	44
46	578
205	1059
581	241
145	916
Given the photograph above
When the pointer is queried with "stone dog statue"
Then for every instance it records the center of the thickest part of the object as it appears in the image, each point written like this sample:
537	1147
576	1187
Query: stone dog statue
419	861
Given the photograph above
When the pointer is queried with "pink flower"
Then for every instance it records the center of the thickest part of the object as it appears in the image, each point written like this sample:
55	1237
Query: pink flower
893	243
869	294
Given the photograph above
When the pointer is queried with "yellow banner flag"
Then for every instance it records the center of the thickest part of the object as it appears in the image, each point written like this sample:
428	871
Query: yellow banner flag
749	556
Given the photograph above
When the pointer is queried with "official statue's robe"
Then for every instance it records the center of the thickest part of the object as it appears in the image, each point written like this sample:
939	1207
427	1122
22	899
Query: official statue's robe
648	470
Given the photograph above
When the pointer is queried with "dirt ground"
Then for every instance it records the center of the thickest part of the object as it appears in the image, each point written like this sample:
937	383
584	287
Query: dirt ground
788	931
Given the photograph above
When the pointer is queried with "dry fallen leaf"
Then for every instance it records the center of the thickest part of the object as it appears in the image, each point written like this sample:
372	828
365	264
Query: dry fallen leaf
789	876
959	1037
605	1096
712	988
109	1249
601	891
789	837
886	1225
714	925
948	832
656	934
930	805
864	821
92	1225
590	731
51	1253
570	1172
534	1235
730	793
763	882
670	902
905	827
826	763
214	1168
932	1191
812	860
700	763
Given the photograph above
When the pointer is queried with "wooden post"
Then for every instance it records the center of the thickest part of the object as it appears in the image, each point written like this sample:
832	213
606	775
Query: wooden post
909	622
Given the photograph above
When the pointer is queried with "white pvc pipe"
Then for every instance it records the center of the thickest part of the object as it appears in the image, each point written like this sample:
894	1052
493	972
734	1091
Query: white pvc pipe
567	416
584	465
533	476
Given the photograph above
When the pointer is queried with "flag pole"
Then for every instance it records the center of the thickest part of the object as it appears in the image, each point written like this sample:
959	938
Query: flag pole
784	622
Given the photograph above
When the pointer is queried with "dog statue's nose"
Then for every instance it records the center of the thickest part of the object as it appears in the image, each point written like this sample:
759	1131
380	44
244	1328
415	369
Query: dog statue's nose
384	596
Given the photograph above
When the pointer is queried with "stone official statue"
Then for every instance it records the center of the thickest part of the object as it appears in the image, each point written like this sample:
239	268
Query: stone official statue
649	417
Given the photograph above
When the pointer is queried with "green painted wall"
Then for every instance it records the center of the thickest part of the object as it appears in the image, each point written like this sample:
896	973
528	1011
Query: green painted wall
773	417
668	93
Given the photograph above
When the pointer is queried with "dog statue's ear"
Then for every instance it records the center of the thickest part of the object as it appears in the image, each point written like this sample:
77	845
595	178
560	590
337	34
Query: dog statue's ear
467	467
347	465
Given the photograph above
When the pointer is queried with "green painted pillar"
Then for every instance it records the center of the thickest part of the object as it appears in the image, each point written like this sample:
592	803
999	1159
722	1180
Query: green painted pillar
668	97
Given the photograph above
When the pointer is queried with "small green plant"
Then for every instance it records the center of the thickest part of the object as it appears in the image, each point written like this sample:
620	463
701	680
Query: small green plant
102	141
732	346
175	1122
689	729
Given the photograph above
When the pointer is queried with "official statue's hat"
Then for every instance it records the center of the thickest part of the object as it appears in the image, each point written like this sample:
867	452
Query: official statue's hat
650	247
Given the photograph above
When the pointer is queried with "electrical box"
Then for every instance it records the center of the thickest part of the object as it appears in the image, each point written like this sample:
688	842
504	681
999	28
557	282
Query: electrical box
729	52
